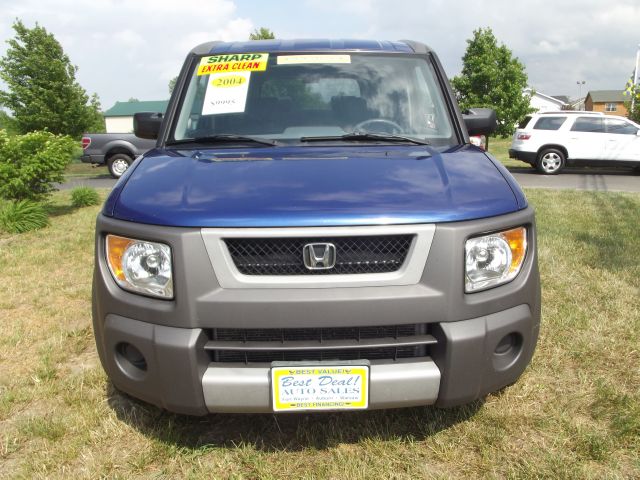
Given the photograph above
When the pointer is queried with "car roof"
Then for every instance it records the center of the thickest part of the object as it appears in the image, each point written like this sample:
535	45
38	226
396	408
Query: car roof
581	112
569	112
618	117
307	45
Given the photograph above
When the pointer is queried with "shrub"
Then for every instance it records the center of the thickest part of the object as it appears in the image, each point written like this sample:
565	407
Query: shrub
30	164
84	197
22	216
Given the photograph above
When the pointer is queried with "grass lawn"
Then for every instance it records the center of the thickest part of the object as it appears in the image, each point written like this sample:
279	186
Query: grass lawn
499	148
575	413
79	169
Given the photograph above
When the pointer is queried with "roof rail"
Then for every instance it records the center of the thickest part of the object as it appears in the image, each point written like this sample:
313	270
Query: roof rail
571	112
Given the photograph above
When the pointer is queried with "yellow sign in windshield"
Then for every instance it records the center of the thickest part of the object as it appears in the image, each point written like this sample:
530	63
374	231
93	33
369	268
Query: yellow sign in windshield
237	62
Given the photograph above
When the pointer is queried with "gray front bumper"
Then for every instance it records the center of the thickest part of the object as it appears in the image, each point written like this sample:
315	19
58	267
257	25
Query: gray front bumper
182	377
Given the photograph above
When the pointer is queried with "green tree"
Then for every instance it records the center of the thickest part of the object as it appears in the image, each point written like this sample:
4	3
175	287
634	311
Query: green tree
634	107
172	84
32	163
261	34
96	119
634	113
491	77
42	91
7	122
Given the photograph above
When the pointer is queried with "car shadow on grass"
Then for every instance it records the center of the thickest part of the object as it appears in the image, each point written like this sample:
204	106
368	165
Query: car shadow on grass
285	432
60	210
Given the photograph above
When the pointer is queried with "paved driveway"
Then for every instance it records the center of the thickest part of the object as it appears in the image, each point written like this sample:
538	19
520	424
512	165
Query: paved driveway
581	179
602	180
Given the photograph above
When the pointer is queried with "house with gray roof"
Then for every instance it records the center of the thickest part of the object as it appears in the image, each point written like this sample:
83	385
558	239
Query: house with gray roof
608	101
119	118
544	103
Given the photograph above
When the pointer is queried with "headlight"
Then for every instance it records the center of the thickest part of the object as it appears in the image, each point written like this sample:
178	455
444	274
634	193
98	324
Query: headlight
140	266
494	259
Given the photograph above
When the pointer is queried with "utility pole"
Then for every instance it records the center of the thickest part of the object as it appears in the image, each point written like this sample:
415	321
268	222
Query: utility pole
580	83
634	92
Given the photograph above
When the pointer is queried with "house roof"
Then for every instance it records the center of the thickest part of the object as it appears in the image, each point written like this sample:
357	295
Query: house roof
127	109
549	98
562	98
600	96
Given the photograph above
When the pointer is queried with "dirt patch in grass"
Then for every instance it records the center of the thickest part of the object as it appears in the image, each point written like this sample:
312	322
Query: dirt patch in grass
575	413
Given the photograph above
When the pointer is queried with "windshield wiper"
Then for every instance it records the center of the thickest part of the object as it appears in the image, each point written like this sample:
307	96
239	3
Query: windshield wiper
223	138
365	137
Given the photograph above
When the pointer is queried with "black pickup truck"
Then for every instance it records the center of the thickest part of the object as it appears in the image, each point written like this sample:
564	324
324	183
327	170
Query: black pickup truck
116	150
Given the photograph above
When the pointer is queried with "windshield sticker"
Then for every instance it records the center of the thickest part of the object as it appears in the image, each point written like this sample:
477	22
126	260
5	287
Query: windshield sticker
226	93
298	59
241	62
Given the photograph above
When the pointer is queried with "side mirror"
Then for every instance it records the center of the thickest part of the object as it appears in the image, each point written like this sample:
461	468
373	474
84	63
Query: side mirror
480	121
147	124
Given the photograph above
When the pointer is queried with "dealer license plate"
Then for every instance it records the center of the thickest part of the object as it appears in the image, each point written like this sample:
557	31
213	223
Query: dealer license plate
330	387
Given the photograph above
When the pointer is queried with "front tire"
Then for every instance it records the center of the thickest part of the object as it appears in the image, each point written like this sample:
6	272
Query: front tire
118	164
550	161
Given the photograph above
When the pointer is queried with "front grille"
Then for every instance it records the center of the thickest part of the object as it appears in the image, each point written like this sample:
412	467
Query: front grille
388	342
284	256
295	356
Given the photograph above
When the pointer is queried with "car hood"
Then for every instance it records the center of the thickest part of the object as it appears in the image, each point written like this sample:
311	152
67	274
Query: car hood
313	186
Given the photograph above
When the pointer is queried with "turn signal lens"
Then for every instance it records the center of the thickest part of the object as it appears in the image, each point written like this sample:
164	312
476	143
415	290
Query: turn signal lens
140	266
495	259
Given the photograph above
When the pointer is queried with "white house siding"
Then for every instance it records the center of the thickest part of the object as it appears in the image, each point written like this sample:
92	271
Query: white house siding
119	124
542	104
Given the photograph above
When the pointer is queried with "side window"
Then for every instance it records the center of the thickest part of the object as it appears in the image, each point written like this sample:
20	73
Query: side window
588	124
549	123
620	127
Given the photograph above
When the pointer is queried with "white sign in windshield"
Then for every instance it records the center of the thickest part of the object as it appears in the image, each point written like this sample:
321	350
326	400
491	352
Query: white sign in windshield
226	93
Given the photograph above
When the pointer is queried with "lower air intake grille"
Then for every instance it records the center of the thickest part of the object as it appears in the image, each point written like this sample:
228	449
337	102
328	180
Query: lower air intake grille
284	256
299	344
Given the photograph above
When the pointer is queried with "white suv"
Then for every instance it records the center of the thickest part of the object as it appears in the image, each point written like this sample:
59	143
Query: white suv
551	140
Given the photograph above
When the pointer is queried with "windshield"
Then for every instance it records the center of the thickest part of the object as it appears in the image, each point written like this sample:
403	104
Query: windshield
287	97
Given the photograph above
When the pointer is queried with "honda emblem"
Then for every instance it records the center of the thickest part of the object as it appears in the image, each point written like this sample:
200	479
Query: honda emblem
319	256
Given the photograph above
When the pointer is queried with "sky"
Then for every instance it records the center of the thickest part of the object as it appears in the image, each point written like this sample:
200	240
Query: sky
132	48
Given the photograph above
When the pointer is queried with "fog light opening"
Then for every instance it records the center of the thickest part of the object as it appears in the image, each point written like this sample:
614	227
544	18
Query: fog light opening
507	351
131	360
507	343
